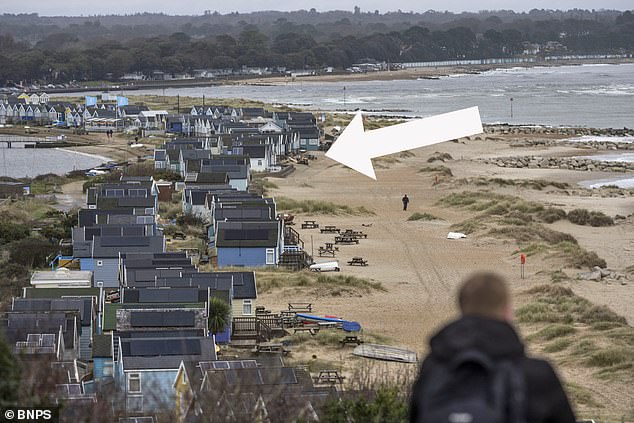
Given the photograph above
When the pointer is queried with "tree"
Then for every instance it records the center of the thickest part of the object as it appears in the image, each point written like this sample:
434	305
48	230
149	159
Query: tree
9	375
219	312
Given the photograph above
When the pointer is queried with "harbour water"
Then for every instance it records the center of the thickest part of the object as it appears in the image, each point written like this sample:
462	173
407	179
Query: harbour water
30	162
589	95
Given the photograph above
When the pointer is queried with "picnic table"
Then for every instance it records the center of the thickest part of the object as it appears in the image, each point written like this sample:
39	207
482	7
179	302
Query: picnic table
271	348
355	234
345	239
312	329
300	307
326	252
330	229
310	224
358	261
351	339
329	376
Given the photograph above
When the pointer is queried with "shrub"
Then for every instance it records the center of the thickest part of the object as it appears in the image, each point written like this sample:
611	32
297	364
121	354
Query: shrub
551	215
579	216
600	219
189	220
13	232
31	252
554	331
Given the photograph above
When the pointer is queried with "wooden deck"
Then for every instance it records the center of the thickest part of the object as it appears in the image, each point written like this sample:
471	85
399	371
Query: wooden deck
384	352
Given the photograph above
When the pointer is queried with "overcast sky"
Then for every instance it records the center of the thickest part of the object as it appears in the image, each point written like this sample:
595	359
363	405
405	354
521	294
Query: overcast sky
195	7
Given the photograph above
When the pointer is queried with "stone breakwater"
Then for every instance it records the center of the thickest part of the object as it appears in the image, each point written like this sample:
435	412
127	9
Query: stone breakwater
564	131
586	144
568	163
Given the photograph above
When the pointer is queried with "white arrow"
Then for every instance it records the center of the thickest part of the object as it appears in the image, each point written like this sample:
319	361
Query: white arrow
356	147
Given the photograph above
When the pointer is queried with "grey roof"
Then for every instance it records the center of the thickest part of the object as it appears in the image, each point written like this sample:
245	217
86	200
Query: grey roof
159	155
234	171
105	247
160	295
212	177
163	318
254	151
20	324
247	234
102	346
82	305
162	353
244	213
146	277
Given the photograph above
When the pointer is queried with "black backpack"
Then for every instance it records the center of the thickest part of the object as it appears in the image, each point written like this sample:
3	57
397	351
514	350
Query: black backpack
472	388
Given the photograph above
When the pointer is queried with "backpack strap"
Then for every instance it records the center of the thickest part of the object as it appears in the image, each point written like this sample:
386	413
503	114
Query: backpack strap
516	382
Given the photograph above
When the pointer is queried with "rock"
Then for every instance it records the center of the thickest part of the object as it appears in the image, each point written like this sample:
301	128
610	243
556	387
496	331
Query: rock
623	282
595	275
604	272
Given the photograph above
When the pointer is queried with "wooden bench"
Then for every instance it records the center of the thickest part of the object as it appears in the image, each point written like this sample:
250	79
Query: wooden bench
342	239
300	307
351	339
358	261
330	229
329	376
270	349
312	329
310	224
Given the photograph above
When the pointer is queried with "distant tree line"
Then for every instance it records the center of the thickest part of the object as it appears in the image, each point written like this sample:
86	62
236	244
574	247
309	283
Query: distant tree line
72	55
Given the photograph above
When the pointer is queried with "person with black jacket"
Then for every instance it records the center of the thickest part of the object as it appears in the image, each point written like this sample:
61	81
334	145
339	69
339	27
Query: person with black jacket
458	379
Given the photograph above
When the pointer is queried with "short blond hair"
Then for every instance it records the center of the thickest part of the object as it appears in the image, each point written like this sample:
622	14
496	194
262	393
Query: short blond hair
484	294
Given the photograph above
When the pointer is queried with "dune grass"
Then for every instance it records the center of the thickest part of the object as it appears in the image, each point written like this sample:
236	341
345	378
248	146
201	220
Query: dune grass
315	283
579	332
319	207
510	217
443	170
422	216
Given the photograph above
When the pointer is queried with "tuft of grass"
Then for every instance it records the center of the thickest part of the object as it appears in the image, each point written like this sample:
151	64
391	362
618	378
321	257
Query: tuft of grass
578	257
318	207
611	356
551	215
468	226
422	216
269	184
557	345
592	218
558	276
438	156
553	331
581	396
443	170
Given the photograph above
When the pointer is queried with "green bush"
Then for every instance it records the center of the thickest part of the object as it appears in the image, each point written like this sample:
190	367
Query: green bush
610	357
13	232
31	252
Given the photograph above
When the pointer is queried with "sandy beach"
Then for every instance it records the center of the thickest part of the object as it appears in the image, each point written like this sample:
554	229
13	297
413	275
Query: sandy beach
421	269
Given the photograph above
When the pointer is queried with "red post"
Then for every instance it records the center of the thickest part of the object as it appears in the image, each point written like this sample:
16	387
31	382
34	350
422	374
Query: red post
522	263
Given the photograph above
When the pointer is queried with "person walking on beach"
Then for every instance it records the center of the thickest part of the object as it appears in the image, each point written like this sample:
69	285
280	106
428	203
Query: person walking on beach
477	370
405	202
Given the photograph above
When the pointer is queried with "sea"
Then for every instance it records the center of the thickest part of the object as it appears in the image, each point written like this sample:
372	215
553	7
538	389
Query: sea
31	162
599	96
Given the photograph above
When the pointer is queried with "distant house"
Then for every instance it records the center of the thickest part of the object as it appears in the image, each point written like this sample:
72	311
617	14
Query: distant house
145	368
62	278
102	356
46	333
250	244
85	307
